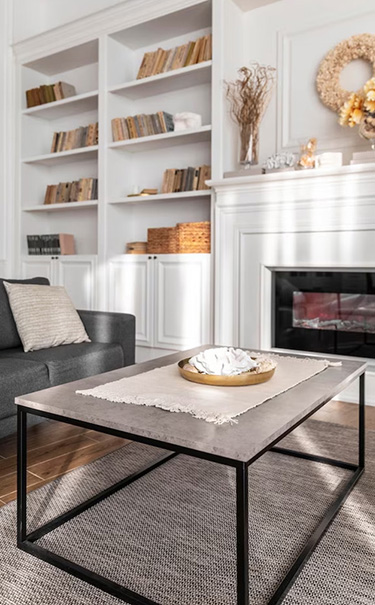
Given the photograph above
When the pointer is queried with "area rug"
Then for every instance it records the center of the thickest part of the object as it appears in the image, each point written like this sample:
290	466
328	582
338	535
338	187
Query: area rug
171	535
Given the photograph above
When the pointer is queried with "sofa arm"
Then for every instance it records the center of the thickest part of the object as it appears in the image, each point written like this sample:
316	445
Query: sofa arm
116	328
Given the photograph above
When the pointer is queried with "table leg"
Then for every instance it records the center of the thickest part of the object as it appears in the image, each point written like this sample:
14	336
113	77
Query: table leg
21	474
242	535
361	452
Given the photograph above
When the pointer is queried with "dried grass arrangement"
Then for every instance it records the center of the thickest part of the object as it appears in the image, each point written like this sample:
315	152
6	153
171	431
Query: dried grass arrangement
249	97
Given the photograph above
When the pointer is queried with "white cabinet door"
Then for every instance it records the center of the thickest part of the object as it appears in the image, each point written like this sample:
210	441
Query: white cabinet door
77	275
131	291
182	294
38	267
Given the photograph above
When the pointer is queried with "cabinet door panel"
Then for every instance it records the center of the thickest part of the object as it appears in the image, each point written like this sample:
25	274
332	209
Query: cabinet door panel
78	278
131	292
182	300
38	267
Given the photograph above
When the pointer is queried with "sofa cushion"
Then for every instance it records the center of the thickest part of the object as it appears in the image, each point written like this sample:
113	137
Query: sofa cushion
9	337
73	362
45	317
18	377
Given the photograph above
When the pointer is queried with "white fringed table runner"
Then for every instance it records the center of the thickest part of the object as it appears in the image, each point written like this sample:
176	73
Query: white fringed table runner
164	388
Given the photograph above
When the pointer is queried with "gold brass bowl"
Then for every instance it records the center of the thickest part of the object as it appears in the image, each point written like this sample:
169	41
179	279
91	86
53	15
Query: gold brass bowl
241	380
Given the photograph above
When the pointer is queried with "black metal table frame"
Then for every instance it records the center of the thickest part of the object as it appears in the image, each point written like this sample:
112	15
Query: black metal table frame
27	542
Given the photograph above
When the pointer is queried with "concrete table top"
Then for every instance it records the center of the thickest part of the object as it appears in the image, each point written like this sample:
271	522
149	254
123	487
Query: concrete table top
256	430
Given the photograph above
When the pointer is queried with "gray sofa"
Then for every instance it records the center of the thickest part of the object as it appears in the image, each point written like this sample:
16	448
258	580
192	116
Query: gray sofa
112	347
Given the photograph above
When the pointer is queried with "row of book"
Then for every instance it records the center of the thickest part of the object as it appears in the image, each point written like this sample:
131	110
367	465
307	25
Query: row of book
48	93
187	179
141	125
76	191
84	136
161	61
56	243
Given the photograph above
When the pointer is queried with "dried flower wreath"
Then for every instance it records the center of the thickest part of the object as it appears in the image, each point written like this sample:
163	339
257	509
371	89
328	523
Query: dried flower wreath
328	78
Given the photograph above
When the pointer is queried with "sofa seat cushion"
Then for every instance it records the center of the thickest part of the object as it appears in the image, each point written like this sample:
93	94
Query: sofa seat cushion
18	377
72	362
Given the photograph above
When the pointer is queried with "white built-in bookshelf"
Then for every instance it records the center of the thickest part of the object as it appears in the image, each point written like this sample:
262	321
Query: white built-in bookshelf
104	73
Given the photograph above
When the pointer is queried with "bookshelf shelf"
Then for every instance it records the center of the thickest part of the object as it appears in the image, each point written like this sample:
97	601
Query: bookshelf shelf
62	207
82	153
177	79
169	139
66	107
183	195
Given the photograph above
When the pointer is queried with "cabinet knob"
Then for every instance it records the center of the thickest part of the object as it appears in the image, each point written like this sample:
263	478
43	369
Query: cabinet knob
150	257
155	257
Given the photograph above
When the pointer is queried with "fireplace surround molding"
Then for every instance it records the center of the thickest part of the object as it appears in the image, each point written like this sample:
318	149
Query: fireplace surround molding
313	219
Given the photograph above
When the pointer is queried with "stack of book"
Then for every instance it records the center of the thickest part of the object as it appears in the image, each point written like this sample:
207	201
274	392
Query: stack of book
58	243
142	125
48	93
76	191
136	248
187	179
161	60
84	136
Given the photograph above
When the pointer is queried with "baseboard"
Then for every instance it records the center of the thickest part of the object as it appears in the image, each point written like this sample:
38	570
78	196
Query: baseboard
350	394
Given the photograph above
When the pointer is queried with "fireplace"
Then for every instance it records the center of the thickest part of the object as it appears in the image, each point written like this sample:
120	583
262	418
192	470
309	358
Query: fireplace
324	312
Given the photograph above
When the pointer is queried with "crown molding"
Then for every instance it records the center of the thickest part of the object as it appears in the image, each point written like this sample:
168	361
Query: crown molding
126	14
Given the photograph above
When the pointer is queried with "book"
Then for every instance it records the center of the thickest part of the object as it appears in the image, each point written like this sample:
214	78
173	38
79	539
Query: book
75	139
49	93
46	244
177	180
62	193
162	61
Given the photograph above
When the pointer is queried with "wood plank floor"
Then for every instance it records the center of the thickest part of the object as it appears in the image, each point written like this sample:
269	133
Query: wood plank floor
55	448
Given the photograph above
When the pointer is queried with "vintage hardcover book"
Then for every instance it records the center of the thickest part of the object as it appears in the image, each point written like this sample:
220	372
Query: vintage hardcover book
196	51
42	93
180	57
195	179
30	100
53	194
47	195
54	141
138	126
66	90
189	53
142	67
57	91
170	59
66	243
158	57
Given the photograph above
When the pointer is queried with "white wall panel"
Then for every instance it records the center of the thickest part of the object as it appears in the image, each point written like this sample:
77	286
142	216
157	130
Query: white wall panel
294	36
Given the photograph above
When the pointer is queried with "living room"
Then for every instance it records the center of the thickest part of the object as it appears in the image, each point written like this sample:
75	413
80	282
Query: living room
187	302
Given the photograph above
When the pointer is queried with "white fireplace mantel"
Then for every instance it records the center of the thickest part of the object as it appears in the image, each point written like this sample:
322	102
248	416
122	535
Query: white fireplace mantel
322	218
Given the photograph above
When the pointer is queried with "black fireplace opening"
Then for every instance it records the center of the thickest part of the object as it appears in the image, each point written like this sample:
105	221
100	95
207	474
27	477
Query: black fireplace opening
324	312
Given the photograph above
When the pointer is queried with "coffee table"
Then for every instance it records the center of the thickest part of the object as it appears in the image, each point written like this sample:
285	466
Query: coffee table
258	431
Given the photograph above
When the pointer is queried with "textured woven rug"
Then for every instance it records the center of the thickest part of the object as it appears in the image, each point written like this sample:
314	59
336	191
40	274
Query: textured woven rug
171	535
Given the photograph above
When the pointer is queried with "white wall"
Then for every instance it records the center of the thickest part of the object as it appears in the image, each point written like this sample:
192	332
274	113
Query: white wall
294	36
5	138
32	17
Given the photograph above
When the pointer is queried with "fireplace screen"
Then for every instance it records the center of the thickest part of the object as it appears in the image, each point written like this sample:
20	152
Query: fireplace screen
334	311
324	312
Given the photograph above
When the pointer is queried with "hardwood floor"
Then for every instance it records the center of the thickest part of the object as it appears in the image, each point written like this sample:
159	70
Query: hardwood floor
55	448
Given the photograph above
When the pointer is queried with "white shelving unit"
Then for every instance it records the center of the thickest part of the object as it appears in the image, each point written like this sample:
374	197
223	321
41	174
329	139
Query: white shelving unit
103	67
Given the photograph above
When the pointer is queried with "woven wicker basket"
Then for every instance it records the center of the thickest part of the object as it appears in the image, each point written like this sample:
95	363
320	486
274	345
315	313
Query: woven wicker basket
194	237
185	238
162	240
